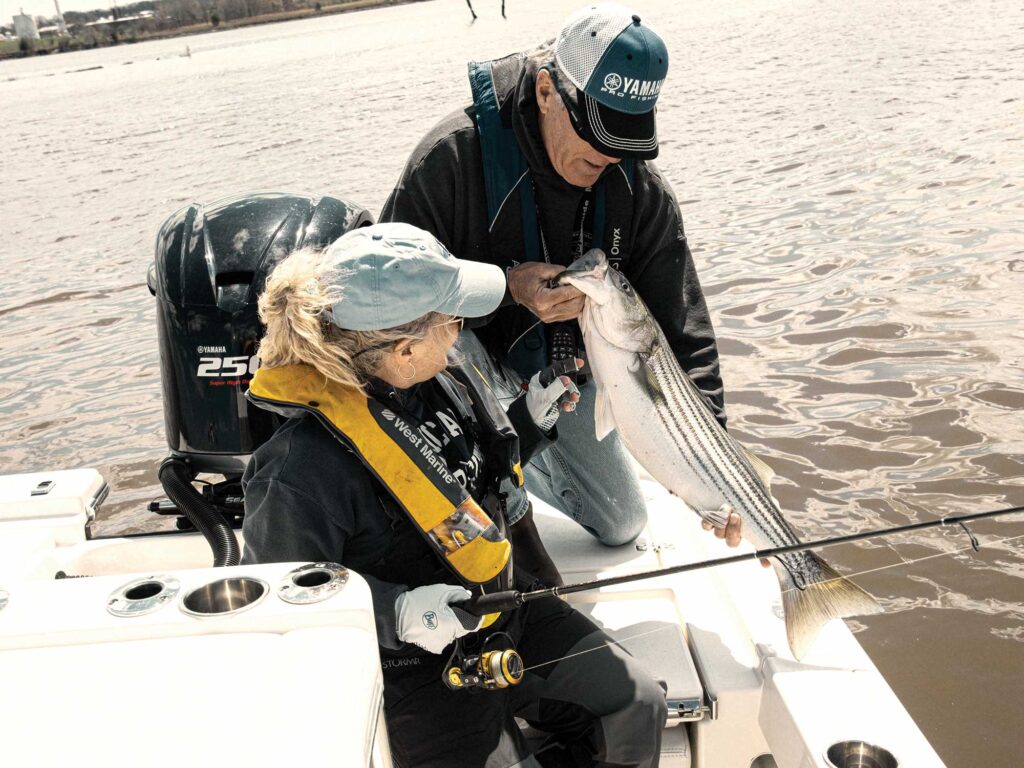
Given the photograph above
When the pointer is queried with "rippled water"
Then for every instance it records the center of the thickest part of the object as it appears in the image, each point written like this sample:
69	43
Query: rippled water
850	174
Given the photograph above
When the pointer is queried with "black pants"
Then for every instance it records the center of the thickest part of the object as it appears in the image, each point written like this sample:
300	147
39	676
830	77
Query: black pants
600	706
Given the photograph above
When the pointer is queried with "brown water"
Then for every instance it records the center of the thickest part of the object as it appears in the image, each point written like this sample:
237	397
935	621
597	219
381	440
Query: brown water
851	179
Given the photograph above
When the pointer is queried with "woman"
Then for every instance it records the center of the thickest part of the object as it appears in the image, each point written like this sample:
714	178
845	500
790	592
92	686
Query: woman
400	466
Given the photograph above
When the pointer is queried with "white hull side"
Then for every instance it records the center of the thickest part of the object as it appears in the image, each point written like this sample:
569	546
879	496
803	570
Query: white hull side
303	683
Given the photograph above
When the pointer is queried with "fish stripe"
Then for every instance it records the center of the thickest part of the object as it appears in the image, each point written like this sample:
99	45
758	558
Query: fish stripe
670	418
755	503
672	376
668	424
748	493
667	416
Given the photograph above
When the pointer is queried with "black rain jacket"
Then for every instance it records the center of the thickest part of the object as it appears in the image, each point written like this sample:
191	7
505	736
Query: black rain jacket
309	498
442	191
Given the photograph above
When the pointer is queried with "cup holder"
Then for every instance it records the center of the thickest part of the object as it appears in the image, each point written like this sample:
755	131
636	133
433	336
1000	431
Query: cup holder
860	754
142	596
312	583
225	597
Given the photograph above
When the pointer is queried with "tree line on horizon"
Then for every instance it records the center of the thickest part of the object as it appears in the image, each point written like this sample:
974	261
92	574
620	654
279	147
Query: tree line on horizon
171	14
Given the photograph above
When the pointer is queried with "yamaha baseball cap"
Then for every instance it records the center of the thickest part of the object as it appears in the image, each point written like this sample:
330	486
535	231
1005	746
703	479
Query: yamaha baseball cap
618	65
391	274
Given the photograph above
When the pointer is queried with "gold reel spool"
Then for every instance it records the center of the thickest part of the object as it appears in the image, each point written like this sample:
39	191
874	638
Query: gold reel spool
490	670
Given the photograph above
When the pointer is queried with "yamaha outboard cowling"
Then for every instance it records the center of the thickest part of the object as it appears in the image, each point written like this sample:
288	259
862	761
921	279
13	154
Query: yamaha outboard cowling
211	265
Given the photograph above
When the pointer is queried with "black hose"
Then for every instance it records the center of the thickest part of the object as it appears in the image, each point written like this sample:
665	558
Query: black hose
176	478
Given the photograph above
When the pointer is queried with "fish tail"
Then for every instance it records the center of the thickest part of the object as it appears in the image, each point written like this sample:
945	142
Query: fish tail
827	596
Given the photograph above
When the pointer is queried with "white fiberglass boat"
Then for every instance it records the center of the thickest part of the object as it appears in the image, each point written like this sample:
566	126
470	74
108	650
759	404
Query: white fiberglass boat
133	651
158	659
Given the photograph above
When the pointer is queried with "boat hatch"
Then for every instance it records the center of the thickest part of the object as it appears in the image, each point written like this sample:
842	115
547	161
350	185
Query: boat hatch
63	503
645	626
644	617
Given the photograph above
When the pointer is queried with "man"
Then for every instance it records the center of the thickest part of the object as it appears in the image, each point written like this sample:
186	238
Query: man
549	161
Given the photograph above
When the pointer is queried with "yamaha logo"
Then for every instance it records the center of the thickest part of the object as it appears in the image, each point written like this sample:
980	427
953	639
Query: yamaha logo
631	88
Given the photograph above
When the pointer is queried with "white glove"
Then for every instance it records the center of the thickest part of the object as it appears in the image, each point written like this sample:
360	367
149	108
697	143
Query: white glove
544	402
425	617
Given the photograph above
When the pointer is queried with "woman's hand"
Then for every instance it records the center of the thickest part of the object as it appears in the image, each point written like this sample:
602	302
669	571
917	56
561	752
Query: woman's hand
544	402
424	616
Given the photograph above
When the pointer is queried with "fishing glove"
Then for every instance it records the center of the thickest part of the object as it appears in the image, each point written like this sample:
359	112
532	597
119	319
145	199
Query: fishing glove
425	617
545	395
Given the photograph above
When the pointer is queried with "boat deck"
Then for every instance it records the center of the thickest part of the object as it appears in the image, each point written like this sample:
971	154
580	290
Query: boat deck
715	636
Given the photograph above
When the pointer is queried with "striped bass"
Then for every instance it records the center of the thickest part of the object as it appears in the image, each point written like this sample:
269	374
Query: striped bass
669	428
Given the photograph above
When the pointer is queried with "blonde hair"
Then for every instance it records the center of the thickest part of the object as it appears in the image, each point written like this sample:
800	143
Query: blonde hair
295	307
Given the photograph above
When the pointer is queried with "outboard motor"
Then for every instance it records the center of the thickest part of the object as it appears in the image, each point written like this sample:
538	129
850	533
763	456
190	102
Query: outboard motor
211	265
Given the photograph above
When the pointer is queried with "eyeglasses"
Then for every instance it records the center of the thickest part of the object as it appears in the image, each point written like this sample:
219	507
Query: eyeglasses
573	107
570	106
460	320
383	344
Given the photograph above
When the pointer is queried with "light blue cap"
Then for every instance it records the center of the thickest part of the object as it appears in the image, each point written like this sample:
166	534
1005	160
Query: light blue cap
391	274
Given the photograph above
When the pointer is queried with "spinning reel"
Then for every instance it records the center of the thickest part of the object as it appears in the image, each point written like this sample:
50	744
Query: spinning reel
489	670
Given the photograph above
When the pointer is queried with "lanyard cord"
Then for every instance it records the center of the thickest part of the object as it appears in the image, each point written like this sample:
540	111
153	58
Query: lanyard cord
585	206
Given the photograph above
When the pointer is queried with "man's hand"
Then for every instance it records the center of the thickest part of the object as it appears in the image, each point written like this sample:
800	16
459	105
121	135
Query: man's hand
529	285
732	532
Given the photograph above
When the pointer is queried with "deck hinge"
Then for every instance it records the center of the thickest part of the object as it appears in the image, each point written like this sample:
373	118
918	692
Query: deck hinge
691	710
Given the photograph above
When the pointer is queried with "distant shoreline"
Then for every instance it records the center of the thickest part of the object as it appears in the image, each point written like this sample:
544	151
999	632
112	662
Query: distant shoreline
49	46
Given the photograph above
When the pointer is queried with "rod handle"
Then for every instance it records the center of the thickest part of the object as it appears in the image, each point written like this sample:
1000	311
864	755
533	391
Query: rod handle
495	602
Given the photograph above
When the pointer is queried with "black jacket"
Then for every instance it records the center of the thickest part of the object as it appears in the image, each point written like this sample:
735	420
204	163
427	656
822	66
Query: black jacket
309	498
442	190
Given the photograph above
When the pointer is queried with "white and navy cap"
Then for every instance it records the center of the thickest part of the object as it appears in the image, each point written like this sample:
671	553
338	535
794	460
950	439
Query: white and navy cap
391	274
618	65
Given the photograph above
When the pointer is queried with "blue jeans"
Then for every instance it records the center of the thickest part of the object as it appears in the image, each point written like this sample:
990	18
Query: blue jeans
590	481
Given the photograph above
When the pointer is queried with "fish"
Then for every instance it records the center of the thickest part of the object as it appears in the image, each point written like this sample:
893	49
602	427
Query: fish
668	426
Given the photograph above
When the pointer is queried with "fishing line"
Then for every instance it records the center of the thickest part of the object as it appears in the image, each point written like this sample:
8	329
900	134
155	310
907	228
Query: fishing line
915	560
791	589
601	647
511	599
520	336
972	547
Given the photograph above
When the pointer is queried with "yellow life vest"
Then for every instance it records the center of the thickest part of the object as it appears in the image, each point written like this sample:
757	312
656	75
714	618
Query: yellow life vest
392	448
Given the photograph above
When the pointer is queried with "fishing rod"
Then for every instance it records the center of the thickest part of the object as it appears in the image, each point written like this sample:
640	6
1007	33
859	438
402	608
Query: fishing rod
512	599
